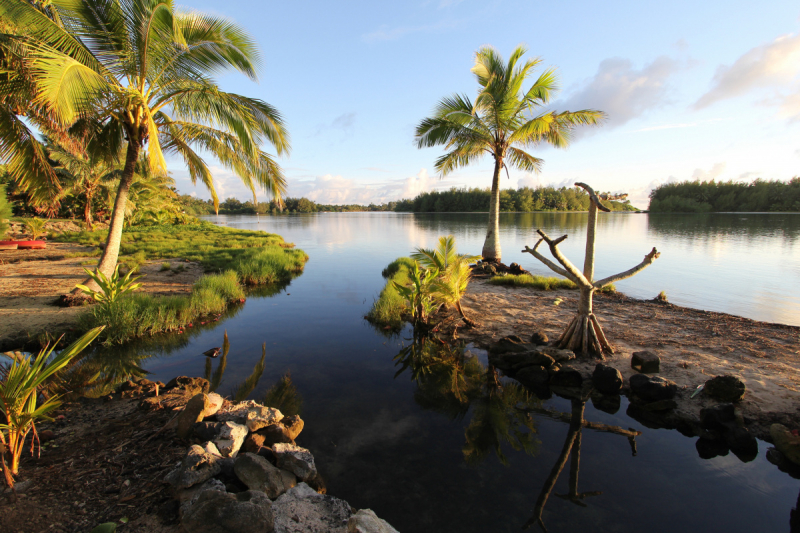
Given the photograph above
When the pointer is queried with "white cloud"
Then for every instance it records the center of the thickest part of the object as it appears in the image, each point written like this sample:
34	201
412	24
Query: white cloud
330	189
621	91
714	173
668	127
534	182
775	65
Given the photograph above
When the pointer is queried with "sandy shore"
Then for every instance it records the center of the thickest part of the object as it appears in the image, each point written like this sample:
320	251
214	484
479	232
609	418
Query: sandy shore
694	345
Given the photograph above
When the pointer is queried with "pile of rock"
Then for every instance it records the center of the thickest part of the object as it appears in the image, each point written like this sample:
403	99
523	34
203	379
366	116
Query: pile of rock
537	366
246	473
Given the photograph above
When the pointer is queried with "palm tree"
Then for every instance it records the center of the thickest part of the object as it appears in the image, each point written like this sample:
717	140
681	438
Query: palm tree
502	121
141	71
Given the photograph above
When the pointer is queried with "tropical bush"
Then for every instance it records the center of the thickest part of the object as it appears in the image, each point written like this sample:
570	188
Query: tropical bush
36	227
111	288
5	211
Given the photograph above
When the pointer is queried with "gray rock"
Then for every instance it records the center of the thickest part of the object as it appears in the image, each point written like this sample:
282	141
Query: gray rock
295	459
216	402
366	521
302	510
231	437
512	343
236	412
191	414
607	379
558	355
646	362
652	388
293	424
222	512
725	388
258	474
198	466
260	416
187	497
188	385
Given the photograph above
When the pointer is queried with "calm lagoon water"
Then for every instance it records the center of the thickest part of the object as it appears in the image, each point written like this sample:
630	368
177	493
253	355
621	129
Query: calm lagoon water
385	442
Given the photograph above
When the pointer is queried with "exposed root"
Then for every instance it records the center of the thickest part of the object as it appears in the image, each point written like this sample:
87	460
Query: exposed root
584	336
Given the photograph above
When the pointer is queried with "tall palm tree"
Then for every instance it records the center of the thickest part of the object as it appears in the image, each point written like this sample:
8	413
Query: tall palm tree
502	121
142	72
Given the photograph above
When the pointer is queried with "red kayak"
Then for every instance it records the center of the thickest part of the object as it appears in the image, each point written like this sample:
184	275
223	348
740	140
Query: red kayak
5	246
25	245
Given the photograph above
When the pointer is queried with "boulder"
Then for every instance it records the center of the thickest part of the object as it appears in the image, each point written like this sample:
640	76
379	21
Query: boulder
742	444
646	362
652	388
539	338
302	510
512	343
187	385
206	431
191	414
533	376
258	474
193	492
558	355
272	434
725	388
786	442
236	412
199	465
607	379
718	418
231	437
216	401
293	424
295	459
366	521
222	512
259	417
566	377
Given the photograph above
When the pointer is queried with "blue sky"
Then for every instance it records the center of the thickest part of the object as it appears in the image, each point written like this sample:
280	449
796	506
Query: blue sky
692	89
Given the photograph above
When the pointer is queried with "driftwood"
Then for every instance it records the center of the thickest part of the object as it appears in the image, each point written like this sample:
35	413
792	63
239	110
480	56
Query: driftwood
583	334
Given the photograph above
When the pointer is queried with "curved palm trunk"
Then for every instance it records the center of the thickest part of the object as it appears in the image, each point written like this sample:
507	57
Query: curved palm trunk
87	211
108	261
491	246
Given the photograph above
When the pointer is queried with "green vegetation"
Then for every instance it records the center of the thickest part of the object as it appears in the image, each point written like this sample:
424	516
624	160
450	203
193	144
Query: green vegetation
5	211
35	227
542	283
707	196
284	397
111	289
165	266
390	306
20	386
232	206
523	200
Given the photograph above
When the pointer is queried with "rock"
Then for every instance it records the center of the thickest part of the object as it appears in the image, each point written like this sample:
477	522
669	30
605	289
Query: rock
775	457
566	377
191	414
258	474
517	270
646	362
533	376
216	401
295	459
652	388
198	466
787	443
558	355
222	512
273	434
718	418
539	338
259	417
236	412
606	403
366	521
231	437
46	435
710	448
187	385
514	361
293	424
317	483
725	388
742	444
193	492
607	379
206	431
661	405
512	343
302	510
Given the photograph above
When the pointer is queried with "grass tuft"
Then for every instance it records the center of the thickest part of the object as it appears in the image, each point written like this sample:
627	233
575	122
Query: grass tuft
165	266
542	283
390	306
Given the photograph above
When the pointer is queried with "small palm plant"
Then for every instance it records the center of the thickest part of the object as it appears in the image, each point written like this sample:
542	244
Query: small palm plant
36	227
420	294
110	288
20	386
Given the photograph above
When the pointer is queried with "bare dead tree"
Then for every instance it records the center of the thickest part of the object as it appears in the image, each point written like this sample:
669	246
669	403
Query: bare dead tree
584	334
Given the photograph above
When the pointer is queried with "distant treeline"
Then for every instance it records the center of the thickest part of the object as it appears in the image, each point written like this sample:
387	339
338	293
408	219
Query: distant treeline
706	196
232	206
522	200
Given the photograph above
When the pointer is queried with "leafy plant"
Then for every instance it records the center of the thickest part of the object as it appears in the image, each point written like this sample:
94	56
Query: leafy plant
420	294
20	387
165	266
36	227
453	272
110	288
5	211
443	256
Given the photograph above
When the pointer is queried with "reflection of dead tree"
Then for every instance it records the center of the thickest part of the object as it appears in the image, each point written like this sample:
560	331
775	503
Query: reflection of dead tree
584	334
572	445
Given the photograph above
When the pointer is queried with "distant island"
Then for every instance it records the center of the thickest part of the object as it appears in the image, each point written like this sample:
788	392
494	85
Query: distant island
709	196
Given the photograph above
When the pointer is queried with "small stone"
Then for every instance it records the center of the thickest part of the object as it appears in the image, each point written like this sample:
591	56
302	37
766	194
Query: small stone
231	437
725	388
191	414
260	416
215	404
295	459
302	510
46	435
196	467
293	424
652	388
512	343
258	474
366	521
223	512
787	443
646	362
273	434
607	379
539	338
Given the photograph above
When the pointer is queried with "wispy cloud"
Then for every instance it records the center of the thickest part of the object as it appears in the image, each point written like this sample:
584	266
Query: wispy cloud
344	123
668	127
386	33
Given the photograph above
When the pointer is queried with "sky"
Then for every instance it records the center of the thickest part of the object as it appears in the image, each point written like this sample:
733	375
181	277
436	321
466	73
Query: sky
692	90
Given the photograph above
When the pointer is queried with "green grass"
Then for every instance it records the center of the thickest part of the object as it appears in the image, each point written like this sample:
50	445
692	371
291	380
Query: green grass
165	266
542	283
137	315
389	308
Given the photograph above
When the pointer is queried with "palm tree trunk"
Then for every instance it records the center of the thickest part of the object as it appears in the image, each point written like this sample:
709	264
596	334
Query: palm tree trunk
108	262
87	211
491	246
